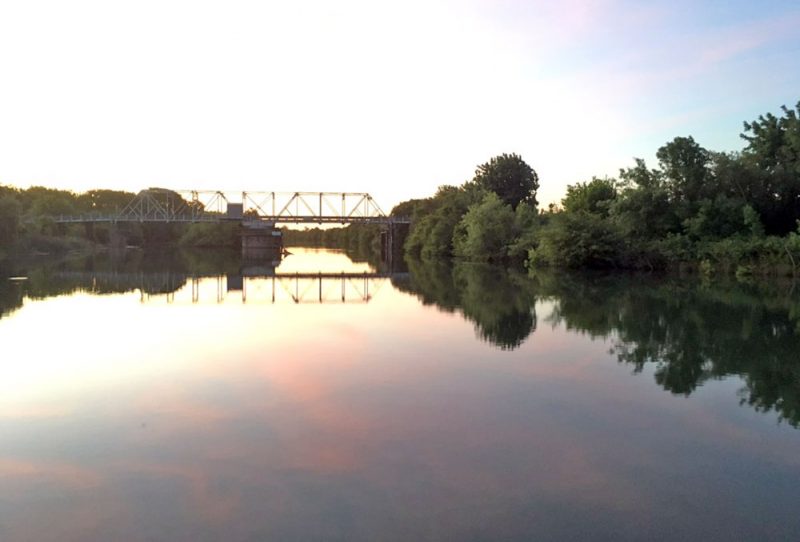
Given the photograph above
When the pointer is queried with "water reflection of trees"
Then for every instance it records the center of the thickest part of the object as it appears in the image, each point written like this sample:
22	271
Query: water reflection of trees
687	331
692	332
151	272
499	302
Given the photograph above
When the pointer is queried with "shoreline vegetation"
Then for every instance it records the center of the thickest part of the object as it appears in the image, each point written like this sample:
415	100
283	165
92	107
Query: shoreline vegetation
699	210
730	213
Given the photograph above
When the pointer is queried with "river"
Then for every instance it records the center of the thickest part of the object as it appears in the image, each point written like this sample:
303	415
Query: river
196	397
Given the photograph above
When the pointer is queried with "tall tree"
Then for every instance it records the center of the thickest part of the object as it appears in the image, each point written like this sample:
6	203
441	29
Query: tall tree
773	150
509	177
686	167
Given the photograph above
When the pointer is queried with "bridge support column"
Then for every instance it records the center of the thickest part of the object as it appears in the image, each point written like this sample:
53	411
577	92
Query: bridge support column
117	239
261	241
392	238
88	228
387	244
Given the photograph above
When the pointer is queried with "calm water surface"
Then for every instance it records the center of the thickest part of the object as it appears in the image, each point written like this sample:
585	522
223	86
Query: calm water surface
196	398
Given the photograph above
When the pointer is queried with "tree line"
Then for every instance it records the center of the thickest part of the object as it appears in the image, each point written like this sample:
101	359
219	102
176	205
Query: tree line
716	211
27	223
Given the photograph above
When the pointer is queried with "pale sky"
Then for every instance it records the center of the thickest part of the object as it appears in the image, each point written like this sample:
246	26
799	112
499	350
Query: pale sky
392	98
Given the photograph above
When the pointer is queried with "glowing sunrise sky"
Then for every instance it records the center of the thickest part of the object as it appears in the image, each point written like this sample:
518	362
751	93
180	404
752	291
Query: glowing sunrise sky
394	98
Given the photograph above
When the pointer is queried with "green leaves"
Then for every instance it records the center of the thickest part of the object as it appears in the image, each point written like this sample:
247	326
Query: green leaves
509	177
485	231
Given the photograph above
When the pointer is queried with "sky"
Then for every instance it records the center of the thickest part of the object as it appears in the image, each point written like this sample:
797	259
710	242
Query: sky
393	98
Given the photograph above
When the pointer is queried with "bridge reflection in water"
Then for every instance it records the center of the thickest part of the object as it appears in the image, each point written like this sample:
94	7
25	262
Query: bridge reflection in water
251	286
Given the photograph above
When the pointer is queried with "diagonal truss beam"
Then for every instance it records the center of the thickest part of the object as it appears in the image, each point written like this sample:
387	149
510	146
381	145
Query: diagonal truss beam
162	205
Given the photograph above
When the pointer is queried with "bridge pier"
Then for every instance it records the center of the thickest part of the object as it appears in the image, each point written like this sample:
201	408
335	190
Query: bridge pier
117	239
392	238
261	240
88	228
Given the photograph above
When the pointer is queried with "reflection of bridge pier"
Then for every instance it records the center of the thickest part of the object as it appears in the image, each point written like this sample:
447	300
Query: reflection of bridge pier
393	235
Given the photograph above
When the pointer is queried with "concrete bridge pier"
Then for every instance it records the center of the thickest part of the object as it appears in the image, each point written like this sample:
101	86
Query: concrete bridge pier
261	240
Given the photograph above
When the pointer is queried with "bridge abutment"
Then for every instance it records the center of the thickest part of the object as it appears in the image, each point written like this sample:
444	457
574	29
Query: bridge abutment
260	240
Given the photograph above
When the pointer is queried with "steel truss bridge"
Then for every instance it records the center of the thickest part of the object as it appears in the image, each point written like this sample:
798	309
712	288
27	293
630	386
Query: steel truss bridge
168	206
297	288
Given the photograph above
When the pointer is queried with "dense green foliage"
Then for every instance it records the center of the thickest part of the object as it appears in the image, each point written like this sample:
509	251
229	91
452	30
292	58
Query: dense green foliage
719	212
580	239
435	219
484	231
509	177
594	197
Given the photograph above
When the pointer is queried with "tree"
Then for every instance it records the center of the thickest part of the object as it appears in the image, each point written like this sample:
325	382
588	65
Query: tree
431	236
774	142
509	177
485	231
104	201
640	176
645	212
10	210
526	231
411	207
719	218
686	168
593	197
773	151
579	240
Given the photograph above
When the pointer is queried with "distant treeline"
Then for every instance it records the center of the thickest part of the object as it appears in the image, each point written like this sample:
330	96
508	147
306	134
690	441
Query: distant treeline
716	211
361	238
27	225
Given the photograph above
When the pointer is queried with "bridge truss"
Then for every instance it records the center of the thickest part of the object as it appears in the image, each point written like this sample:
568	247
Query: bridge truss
166	206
